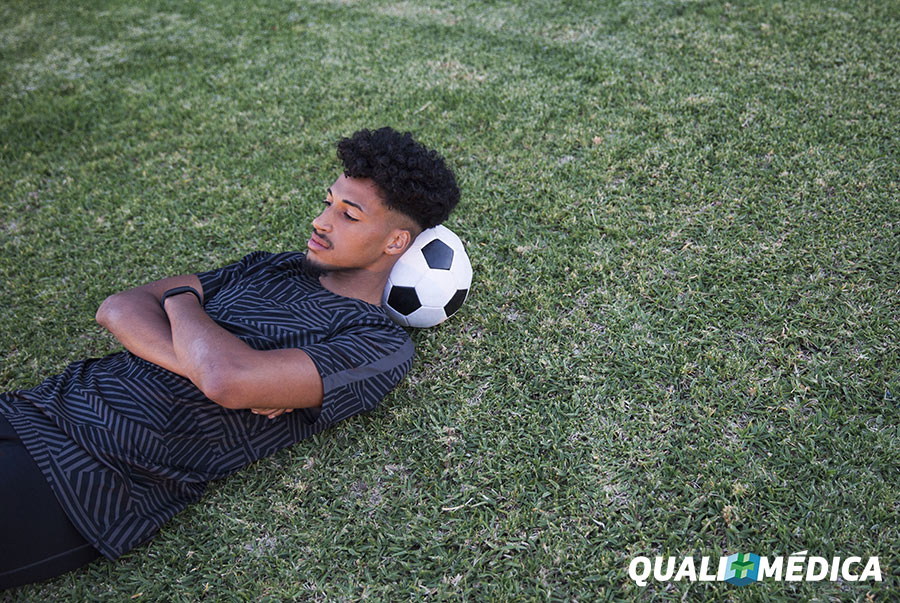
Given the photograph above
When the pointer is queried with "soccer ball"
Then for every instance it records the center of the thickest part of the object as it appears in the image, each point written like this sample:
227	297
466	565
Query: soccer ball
430	281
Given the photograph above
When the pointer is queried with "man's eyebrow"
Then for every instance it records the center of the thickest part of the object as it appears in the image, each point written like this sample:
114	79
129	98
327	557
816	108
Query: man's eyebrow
348	202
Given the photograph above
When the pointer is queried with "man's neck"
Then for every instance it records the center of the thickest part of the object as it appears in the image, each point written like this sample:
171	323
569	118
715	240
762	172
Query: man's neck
360	284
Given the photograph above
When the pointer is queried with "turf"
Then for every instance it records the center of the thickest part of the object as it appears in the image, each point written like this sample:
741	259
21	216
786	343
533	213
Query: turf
682	336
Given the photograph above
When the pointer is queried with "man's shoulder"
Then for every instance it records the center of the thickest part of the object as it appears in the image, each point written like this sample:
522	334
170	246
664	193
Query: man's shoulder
348	314
352	311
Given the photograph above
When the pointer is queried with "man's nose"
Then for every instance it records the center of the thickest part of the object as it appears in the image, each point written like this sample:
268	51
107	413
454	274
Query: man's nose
321	223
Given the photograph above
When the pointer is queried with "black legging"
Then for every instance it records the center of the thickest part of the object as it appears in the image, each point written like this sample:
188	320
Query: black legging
37	540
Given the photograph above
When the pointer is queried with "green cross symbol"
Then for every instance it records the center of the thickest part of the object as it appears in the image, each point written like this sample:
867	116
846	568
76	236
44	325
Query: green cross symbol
742	566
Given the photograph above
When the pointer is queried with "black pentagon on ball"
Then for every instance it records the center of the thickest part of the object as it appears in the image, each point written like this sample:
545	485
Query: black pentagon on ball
438	255
455	302
404	300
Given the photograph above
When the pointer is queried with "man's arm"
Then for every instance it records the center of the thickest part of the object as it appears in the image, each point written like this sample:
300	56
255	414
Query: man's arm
140	324
233	374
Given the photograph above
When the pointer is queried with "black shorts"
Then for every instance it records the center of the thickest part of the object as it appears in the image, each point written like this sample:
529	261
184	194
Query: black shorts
37	540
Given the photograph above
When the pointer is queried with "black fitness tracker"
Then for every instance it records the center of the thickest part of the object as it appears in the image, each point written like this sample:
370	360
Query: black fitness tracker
179	291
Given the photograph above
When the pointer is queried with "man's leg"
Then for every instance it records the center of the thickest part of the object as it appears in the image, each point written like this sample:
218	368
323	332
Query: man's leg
37	540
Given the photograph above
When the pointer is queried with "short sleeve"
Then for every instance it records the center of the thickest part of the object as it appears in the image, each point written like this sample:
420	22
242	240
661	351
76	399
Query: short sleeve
213	280
359	367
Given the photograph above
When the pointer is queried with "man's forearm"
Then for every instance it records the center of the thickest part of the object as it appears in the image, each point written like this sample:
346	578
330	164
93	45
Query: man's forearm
201	347
233	374
137	320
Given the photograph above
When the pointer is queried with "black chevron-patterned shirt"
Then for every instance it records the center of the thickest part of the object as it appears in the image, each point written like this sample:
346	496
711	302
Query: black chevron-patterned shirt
126	444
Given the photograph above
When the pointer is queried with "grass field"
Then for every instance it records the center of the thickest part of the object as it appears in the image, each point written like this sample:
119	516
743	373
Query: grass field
682	337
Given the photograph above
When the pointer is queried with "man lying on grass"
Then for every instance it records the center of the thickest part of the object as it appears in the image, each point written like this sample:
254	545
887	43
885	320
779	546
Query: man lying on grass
95	460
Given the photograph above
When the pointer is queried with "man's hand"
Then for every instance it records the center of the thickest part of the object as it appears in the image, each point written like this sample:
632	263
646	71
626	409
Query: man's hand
271	412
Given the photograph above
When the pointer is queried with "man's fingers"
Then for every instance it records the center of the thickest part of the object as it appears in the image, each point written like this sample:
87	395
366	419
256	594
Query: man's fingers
270	412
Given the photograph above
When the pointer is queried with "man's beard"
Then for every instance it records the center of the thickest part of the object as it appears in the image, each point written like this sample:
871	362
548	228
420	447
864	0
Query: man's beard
315	269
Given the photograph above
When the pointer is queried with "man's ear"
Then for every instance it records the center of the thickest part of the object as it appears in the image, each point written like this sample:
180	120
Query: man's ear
400	241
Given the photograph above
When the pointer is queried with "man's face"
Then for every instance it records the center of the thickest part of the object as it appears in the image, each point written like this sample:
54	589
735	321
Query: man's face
354	229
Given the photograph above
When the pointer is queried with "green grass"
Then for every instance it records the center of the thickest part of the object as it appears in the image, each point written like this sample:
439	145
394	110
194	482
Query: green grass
682	337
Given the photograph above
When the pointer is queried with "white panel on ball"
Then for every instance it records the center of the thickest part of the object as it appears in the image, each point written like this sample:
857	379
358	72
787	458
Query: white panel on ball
396	316
409	269
436	288
462	271
426	317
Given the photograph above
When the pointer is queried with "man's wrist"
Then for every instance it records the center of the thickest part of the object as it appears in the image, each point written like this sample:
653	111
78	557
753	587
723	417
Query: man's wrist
179	291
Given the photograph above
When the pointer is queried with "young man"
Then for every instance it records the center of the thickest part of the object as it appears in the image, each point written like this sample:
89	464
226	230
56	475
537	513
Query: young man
95	460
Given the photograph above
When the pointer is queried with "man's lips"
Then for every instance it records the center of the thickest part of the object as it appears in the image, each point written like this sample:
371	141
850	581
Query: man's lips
317	243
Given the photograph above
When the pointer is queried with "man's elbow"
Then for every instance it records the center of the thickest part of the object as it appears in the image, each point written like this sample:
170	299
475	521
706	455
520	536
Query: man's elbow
218	384
108	311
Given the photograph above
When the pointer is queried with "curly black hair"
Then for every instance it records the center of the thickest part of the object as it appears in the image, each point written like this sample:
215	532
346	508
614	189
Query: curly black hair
413	180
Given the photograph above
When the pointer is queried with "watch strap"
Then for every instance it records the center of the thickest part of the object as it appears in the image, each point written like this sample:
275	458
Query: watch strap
179	291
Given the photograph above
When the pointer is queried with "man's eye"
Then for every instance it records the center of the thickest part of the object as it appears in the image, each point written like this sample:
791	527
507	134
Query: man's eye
346	215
